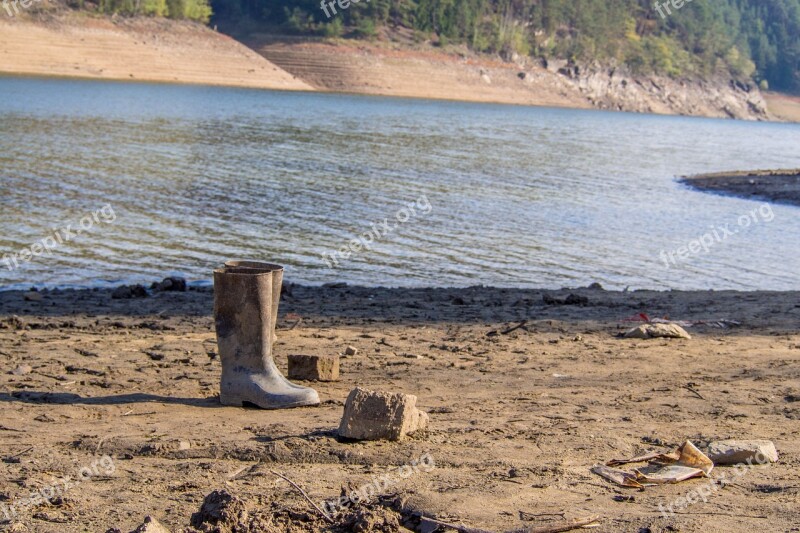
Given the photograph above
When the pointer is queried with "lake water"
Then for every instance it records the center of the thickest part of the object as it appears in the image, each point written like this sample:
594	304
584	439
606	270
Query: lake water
505	195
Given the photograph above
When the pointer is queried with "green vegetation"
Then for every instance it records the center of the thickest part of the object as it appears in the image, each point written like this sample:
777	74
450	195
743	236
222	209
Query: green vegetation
750	39
758	39
199	10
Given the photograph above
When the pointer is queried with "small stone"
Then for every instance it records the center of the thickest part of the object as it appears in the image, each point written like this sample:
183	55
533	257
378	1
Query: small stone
655	331
151	525
184	445
732	452
372	415
22	370
170	284
350	350
314	367
129	291
33	297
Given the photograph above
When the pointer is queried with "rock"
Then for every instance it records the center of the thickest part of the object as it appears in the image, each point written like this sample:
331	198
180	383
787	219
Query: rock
654	331
731	452
129	291
372	415
170	284
22	370
221	512
33	297
151	525
314	367
572	299
350	350
18	527
184	445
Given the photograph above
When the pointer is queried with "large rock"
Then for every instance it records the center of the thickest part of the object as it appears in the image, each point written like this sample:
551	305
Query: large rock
372	415
655	331
314	367
732	452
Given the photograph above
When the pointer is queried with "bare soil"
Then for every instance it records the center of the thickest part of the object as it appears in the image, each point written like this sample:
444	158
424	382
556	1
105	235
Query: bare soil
139	49
518	417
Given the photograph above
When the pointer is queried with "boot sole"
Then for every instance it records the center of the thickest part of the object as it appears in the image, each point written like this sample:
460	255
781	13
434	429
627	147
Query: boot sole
240	402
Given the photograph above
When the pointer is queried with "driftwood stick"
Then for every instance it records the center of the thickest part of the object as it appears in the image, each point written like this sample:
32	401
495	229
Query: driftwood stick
295	485
459	528
559	528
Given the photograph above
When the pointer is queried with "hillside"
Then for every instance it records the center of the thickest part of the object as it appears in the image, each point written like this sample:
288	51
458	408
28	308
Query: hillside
141	49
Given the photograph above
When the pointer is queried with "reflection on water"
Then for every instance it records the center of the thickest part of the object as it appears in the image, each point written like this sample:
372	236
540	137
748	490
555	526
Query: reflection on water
519	196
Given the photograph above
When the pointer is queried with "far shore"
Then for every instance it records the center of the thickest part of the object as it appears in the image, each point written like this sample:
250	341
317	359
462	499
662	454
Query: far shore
779	186
71	45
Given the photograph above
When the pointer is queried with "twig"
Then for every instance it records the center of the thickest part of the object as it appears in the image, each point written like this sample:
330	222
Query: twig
460	529
295	485
560	528
524	515
690	389
514	328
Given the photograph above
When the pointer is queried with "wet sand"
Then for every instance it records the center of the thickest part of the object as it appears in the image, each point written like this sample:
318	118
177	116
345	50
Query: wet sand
518	417
780	186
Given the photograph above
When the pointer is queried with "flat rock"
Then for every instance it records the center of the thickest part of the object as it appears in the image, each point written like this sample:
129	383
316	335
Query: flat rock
732	452
22	370
658	331
370	415
151	525
314	367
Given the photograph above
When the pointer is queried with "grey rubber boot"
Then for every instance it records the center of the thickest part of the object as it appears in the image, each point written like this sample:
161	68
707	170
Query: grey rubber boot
246	298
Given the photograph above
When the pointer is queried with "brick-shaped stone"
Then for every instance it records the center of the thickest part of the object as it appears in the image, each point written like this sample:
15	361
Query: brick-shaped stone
314	367
733	452
370	415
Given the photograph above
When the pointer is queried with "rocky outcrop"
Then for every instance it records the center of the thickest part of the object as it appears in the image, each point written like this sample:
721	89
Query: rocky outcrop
615	88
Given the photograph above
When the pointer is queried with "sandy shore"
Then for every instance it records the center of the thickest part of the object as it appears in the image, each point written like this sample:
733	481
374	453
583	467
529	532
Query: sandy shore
517	418
783	106
781	186
134	50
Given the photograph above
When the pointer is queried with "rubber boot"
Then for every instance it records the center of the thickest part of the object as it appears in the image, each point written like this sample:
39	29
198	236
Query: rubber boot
246	297
277	283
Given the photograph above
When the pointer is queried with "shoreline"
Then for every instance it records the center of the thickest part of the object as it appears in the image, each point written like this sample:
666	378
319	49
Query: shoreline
524	397
776	186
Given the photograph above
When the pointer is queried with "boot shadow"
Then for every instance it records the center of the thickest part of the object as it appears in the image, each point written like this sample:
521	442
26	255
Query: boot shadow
66	398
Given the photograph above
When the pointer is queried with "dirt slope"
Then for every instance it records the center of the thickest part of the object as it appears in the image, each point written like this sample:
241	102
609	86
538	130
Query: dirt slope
136	50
